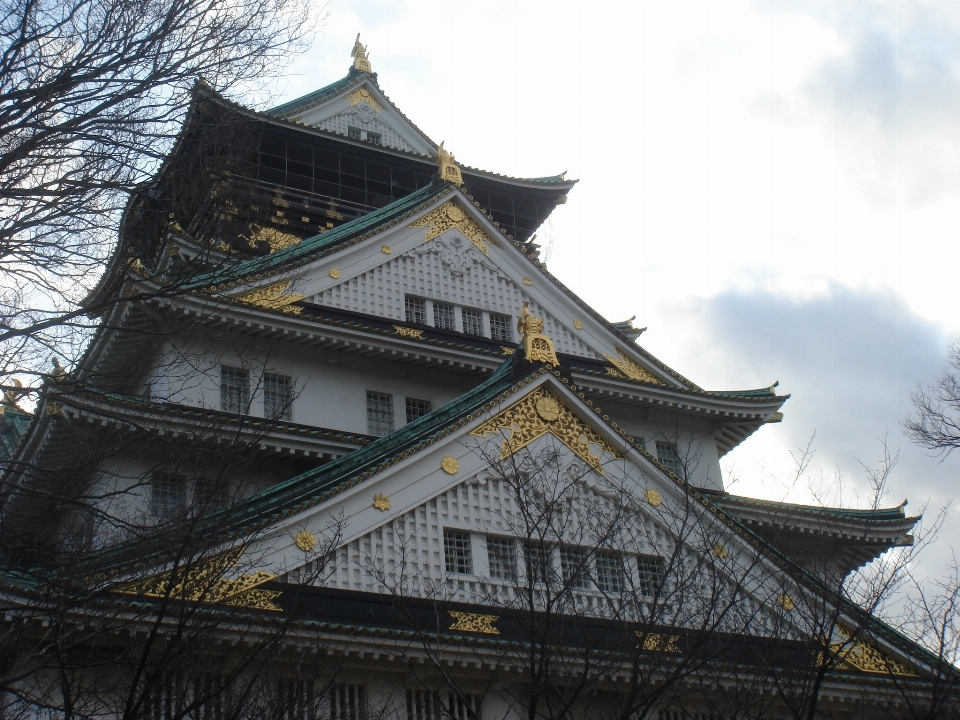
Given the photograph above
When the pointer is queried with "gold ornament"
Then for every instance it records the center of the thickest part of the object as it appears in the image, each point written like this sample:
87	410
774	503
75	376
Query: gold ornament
334	273
273	297
719	551
381	502
11	396
450	465
408	332
657	642
527	281
653	497
786	601
578	324
522	423
613	372
276	239
386	249
629	368
364	95
305	540
449	170
471	622
537	347
359	55
508	350
450	215
860	655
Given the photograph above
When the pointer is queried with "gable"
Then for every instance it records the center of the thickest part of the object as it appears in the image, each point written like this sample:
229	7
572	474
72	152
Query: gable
365	108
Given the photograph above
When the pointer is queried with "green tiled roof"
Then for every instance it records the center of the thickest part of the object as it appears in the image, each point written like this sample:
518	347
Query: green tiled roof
317	96
324	242
13	426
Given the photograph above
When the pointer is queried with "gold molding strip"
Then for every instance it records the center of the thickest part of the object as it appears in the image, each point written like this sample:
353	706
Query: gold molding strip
408	332
273	297
629	368
364	95
657	642
450	215
472	622
537	414
860	655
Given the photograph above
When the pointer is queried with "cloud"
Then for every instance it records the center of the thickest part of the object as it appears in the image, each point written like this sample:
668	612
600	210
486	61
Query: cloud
849	358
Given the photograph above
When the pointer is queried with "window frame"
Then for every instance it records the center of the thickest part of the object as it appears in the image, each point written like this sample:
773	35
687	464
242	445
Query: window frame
373	427
242	375
455	540
287	382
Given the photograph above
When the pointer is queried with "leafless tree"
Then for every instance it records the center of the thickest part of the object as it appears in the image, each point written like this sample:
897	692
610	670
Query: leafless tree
935	424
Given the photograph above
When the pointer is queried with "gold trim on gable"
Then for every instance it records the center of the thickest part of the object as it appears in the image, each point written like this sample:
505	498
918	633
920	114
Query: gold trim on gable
629	368
860	655
273	297
537	414
450	215
364	95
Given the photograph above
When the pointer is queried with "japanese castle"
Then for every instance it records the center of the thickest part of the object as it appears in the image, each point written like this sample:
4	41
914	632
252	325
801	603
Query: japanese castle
342	403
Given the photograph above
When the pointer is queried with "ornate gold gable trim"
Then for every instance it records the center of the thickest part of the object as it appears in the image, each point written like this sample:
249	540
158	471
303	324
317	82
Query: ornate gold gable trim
273	297
537	414
629	368
449	215
860	655
364	95
207	583
471	622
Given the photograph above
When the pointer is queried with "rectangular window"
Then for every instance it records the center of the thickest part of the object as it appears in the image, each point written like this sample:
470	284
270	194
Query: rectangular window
502	557
374	138
539	563
168	494
416	310
669	457
424	705
353	133
348	702
463	706
609	575
379	413
473	322
500	328
210	495
443	316
277	397
456	552
234	389
573	567
651	574
416	409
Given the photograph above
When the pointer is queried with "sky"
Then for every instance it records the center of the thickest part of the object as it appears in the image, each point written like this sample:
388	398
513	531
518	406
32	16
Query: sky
772	188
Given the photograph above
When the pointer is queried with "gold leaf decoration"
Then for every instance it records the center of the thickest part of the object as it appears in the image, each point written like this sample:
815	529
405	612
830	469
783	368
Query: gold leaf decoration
207	583
450	215
408	332
786	601
860	655
273	297
364	95
381	502
450	465
276	239
472	622
629	368
653	497
526	420
305	540
657	642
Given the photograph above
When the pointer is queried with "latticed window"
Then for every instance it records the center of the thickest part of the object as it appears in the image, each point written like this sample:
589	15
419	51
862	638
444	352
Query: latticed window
473	322
374	138
669	457
168	494
573	567
424	705
277	396
538	558
234	389
609	574
348	702
500	328
502	557
353	133
379	413
651	573
456	552
416	310
416	409
443	316
208	495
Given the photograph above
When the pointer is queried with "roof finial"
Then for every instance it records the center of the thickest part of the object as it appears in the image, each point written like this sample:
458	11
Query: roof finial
449	170
359	55
537	347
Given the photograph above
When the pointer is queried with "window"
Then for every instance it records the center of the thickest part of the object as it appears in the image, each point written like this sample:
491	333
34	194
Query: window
209	495
277	396
669	457
416	409
416	309
609	575
374	138
502	557
443	316
651	574
473	322
168	494
379	413
353	133
538	559
456	551
234	389
500	328
348	702
573	567
424	705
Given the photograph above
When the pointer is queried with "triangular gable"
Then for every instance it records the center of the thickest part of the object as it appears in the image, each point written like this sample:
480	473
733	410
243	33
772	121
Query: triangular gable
447	250
359	105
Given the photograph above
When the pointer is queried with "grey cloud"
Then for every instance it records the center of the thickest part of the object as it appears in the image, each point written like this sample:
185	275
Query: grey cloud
850	359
